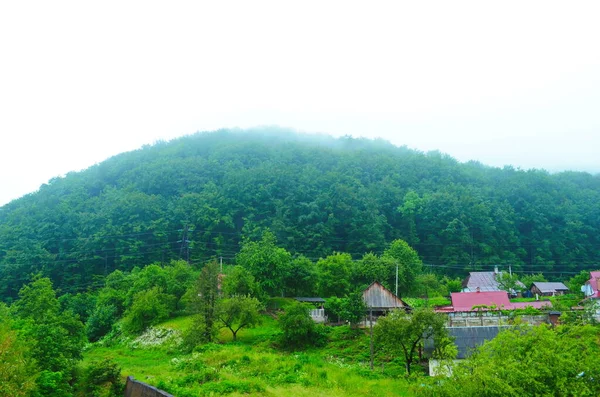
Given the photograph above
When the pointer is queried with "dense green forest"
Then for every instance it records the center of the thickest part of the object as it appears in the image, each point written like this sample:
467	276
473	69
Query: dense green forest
202	195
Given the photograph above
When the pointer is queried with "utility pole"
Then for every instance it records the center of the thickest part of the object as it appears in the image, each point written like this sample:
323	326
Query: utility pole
396	279
185	243
372	348
221	263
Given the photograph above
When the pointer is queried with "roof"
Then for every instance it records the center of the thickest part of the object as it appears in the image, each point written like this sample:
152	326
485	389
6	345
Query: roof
485	281
464	301
467	339
376	296
312	300
593	282
545	287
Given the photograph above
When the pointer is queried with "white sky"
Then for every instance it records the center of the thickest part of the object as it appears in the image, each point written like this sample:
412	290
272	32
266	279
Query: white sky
512	82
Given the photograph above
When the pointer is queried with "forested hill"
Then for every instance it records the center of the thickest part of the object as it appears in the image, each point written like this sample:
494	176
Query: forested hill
316	194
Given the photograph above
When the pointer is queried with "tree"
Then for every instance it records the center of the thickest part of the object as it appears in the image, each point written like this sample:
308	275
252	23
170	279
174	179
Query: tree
268	263
149	307
205	304
353	308
523	361
301	278
509	282
55	338
401	333
103	378
528	279
408	262
334	274
576	282
17	370
299	330
239	282
239	312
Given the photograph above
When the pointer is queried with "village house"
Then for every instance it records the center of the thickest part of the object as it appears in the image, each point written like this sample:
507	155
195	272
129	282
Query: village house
548	289
485	281
380	300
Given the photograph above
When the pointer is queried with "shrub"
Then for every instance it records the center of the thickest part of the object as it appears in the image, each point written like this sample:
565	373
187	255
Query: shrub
103	378
299	330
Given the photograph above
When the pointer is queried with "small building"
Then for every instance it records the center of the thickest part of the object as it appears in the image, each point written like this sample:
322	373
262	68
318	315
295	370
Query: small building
318	313
380	300
548	289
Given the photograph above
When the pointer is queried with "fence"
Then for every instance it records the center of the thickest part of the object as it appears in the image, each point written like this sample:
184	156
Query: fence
135	388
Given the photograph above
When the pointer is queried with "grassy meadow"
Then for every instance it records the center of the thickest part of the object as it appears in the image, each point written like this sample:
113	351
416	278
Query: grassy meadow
254	364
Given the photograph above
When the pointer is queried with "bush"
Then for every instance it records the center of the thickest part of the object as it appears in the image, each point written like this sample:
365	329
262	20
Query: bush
100	322
103	379
299	330
149	307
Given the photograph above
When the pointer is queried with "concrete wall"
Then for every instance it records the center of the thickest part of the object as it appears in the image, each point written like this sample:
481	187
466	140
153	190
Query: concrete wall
135	388
486	321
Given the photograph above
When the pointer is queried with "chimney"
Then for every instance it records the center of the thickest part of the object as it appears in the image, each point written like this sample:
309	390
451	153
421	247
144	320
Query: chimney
495	269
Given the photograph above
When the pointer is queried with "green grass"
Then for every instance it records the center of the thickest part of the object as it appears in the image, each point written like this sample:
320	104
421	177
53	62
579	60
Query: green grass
252	366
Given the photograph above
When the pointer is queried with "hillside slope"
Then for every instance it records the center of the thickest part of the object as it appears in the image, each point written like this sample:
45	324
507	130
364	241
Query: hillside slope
317	194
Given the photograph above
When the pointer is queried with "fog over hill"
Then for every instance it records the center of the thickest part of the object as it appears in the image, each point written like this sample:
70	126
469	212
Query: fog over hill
316	193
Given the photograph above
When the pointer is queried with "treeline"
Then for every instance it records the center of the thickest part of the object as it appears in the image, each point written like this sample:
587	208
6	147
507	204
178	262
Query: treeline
204	194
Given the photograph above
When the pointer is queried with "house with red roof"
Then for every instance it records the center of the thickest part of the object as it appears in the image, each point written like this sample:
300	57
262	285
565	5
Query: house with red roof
465	302
591	287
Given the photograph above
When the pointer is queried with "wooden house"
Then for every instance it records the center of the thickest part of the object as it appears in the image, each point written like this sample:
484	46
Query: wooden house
379	300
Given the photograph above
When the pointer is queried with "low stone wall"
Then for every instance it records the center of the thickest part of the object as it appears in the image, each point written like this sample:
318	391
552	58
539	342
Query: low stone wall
135	388
486	321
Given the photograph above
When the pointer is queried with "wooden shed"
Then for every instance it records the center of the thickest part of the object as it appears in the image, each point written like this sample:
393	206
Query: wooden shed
380	299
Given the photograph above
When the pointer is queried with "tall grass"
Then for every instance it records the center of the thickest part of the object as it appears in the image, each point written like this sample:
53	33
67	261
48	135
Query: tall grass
251	366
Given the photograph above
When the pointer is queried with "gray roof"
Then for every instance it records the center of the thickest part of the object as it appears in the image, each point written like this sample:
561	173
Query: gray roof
376	296
550	287
312	300
467	339
485	281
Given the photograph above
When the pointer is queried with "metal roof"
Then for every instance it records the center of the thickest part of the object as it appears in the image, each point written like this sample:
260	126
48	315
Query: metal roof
464	301
550	287
376	296
485	281
467	339
312	300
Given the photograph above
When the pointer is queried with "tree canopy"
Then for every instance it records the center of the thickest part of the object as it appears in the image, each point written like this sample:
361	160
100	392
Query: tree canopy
317	196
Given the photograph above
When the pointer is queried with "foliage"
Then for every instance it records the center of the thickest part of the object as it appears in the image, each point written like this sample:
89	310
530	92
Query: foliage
206	295
334	273
17	369
239	312
401	333
299	330
509	282
55	339
351	308
409	265
267	262
240	282
576	282
148	308
524	361
103	379
317	195
529	279
100	322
